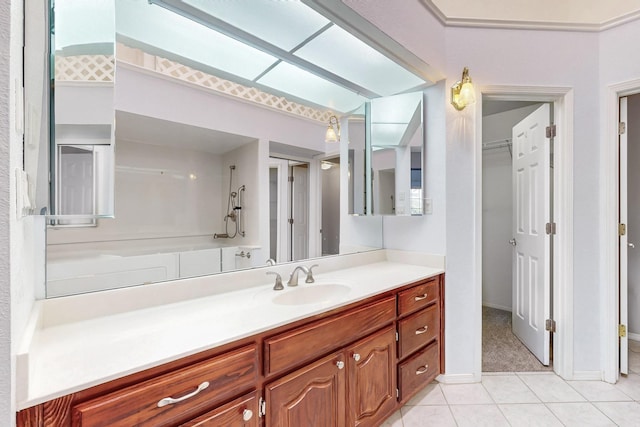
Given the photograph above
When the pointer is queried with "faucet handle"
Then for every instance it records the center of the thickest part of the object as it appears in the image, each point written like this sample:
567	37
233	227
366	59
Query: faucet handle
278	286
310	278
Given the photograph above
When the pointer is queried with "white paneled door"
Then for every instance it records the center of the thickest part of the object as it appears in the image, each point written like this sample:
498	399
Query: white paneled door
623	240
531	212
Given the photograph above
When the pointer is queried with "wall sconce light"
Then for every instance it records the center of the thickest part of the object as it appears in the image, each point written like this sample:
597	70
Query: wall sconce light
462	93
332	135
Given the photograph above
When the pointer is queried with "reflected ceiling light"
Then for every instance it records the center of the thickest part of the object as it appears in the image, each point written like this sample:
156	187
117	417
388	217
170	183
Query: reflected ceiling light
333	133
324	165
462	92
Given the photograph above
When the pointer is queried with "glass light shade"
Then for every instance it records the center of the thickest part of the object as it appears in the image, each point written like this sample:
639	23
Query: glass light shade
330	136
467	94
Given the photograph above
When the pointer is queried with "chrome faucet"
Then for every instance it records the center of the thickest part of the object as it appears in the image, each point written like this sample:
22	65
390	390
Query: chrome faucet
271	261
293	278
278	285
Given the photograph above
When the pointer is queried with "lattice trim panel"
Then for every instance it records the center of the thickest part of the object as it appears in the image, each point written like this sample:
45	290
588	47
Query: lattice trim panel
85	68
183	72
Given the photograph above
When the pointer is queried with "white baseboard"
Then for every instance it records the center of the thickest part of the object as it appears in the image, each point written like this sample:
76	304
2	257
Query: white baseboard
635	337
456	379
499	307
587	376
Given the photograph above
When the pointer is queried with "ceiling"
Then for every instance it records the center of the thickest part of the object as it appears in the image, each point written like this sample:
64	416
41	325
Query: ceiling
149	130
585	15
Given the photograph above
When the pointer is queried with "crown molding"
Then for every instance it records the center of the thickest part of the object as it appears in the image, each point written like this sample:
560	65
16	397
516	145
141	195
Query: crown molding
528	24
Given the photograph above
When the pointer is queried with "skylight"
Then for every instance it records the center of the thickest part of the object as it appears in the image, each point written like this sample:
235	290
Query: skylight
283	47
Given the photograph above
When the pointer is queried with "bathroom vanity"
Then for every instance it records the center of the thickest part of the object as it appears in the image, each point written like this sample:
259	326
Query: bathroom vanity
348	350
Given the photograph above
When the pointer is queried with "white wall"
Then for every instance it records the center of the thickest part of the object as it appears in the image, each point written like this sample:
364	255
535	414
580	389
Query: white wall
503	57
633	226
497	205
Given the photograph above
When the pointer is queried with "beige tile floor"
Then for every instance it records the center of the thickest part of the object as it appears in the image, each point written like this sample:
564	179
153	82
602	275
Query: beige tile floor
527	399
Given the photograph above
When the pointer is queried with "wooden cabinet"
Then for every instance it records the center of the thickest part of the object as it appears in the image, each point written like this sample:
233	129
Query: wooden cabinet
311	396
362	376
174	397
322	336
420	336
350	367
243	412
372	379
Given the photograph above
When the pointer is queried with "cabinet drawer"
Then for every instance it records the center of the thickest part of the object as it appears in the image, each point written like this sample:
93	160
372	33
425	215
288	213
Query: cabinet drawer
418	371
241	412
293	348
417	297
219	378
418	329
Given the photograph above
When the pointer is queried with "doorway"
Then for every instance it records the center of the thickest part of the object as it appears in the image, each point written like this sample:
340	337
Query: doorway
628	232
289	200
516	250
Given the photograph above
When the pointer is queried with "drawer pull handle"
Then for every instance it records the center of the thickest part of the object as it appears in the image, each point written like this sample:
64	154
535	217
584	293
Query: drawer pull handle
422	330
170	400
340	364
247	414
421	297
422	369
356	357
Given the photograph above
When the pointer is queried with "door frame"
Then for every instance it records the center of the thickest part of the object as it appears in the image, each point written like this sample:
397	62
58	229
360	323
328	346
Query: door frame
562	293
609	209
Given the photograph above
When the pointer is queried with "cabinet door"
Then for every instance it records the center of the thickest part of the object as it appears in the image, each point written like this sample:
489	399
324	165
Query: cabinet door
241	412
372	379
311	396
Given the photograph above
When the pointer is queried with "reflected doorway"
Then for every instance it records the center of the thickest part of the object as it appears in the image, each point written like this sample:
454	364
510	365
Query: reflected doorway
330	179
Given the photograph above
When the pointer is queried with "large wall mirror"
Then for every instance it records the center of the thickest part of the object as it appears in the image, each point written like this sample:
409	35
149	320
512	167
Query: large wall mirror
397	150
175	158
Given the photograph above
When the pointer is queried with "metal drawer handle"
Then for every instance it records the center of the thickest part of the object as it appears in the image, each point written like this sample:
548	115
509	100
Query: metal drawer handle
422	369
247	414
170	400
421	297
422	330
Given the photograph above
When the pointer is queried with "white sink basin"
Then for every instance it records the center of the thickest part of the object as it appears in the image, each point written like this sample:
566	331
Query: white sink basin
312	293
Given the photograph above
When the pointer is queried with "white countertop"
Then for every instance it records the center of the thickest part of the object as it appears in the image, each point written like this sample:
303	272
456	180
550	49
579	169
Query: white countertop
62	357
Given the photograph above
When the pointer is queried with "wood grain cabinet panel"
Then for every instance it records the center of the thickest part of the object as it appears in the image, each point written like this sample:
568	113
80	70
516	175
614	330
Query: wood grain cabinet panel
243	412
418	296
418	329
311	396
418	371
294	348
139	405
372	379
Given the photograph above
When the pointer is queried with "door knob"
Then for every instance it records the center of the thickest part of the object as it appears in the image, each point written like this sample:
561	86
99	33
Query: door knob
340	364
247	414
513	242
631	245
356	357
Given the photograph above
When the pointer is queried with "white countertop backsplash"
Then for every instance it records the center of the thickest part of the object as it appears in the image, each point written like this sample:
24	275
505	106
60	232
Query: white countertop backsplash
77	342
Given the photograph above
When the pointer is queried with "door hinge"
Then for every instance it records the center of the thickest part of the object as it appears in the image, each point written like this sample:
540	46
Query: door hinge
550	228
622	331
622	229
551	131
550	325
622	128
262	410
397	393
291	178
397	337
291	221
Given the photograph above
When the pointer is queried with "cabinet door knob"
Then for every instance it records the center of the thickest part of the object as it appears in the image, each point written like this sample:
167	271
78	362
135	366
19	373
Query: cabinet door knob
340	364
422	369
247	414
356	357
